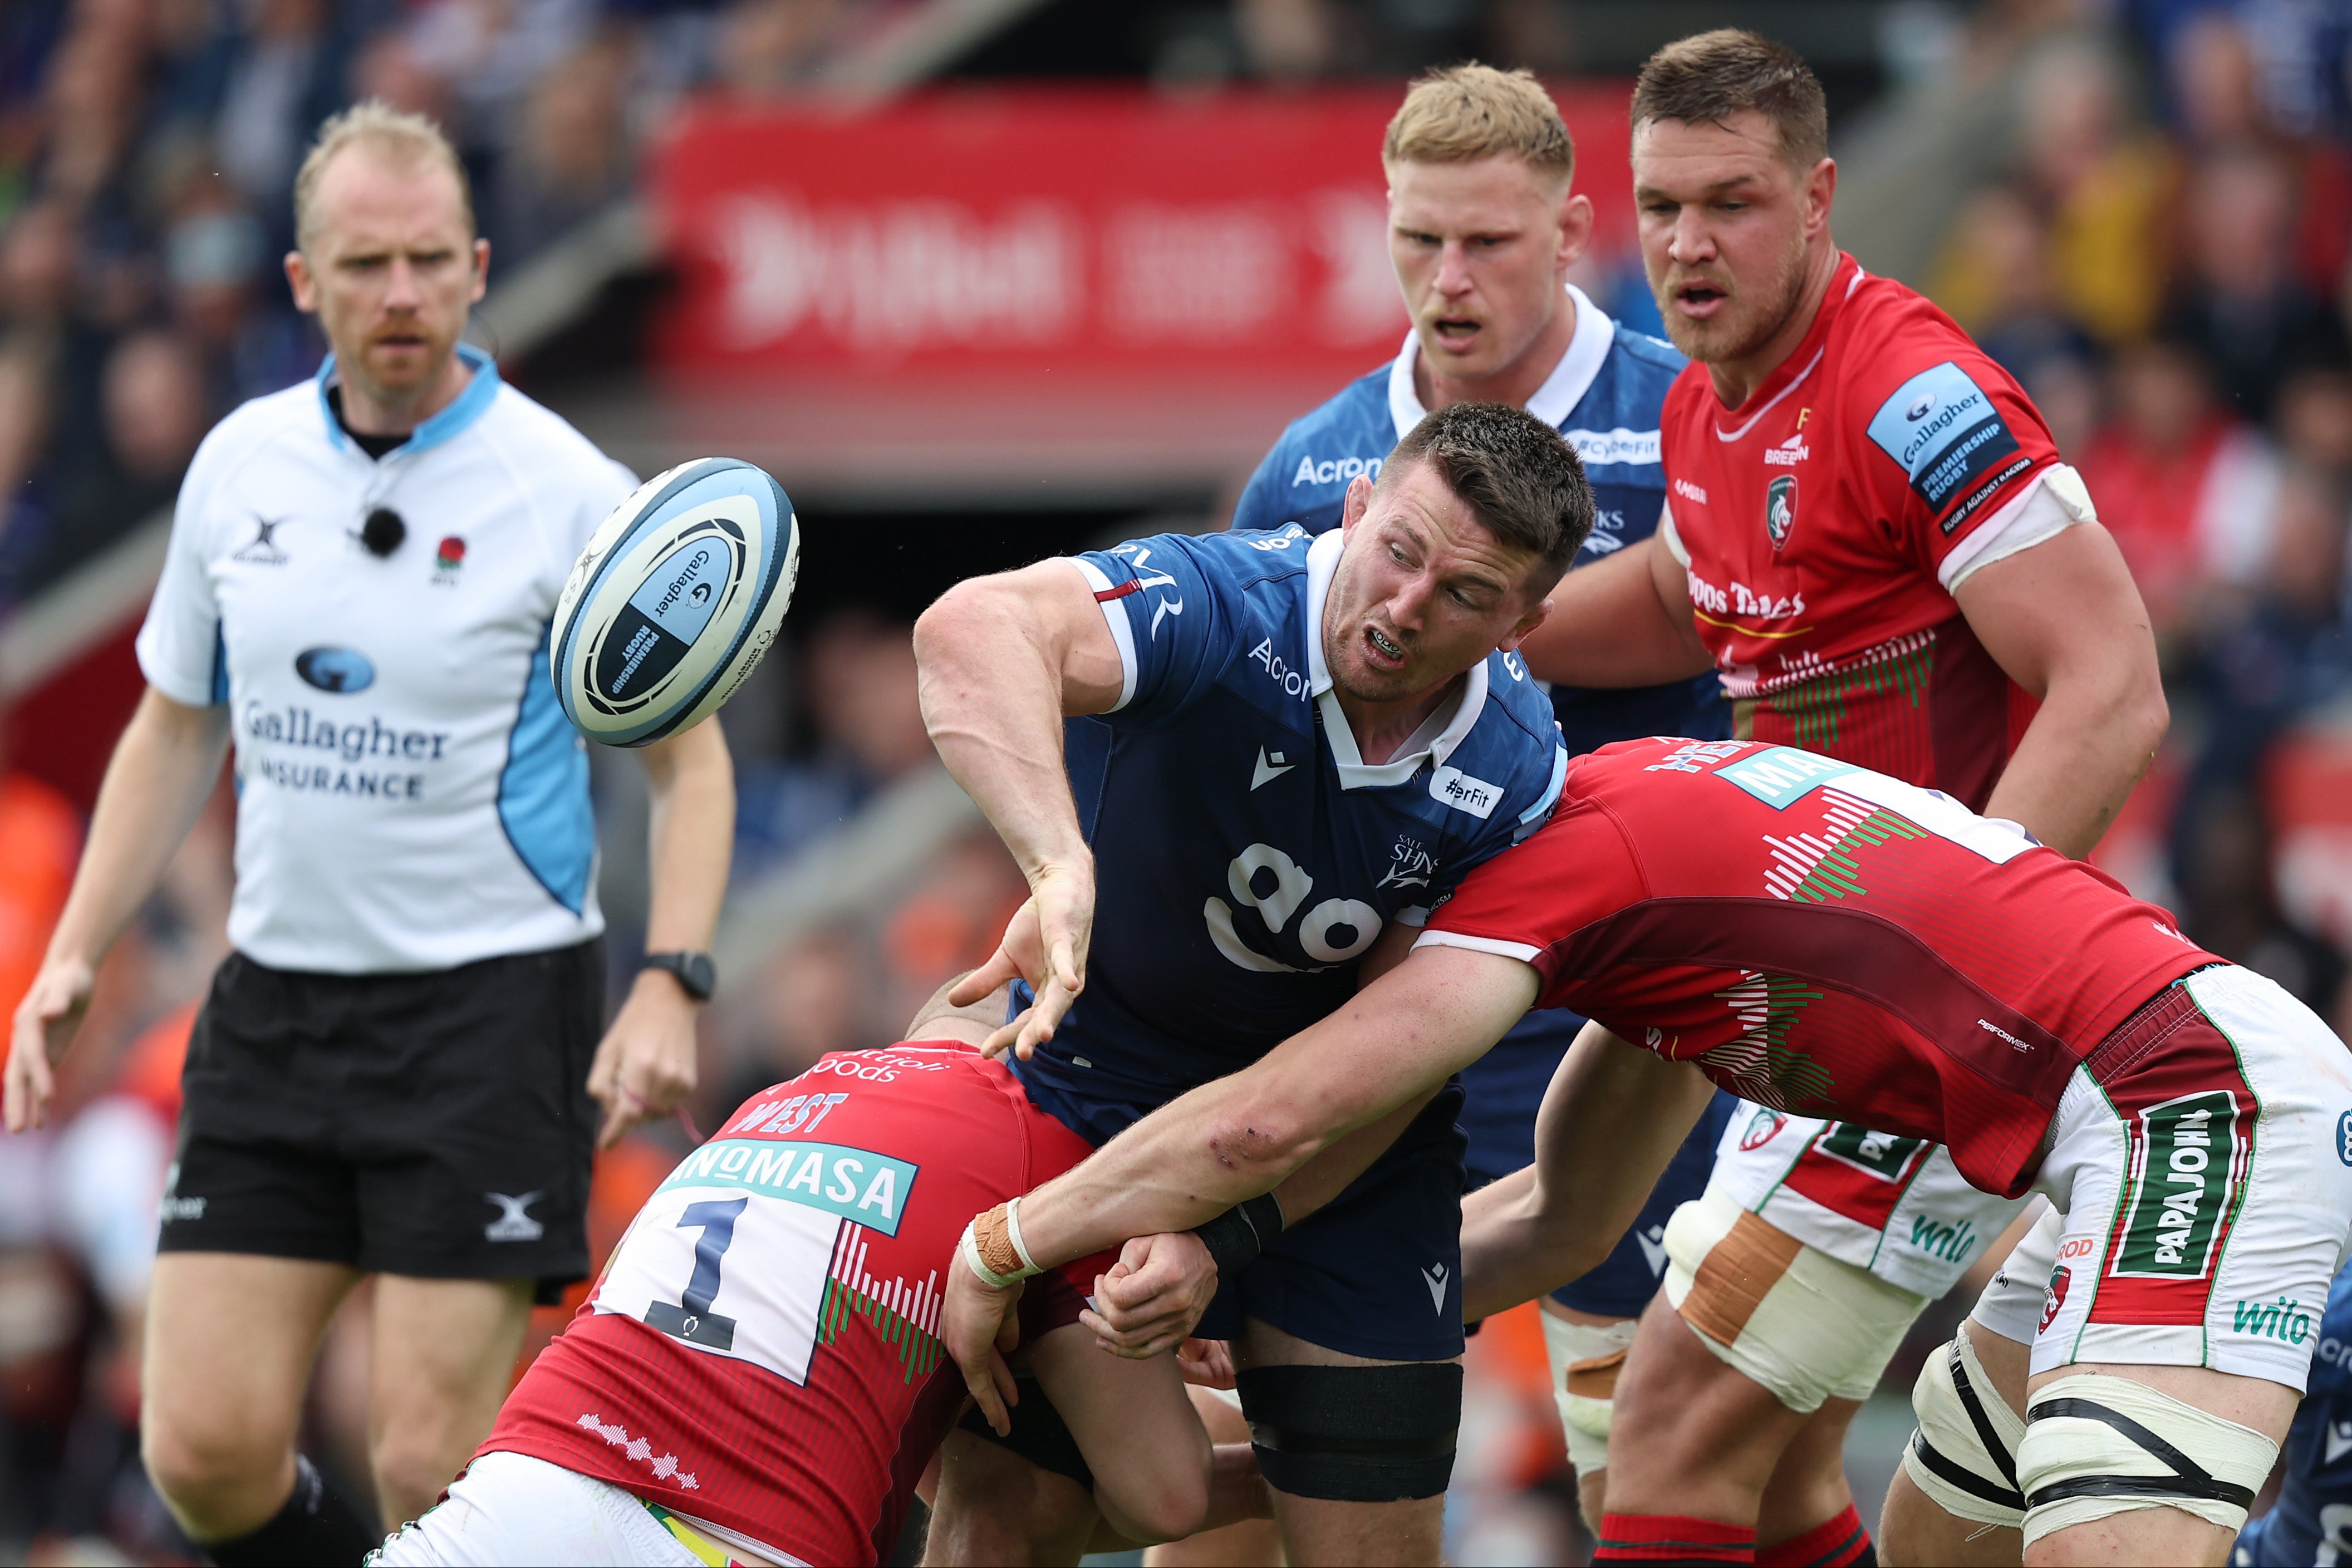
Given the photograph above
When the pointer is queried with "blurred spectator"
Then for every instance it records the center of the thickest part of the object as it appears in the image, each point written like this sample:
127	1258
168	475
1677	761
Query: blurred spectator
571	160
283	83
2186	487
2230	902
1288	40
2239	295
2314	421
814	995
1995	281
951	922
865	725
216	267
769	48
2102	184
154	415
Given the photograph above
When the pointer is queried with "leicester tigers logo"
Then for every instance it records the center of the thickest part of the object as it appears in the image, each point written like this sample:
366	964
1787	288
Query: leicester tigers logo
1780	509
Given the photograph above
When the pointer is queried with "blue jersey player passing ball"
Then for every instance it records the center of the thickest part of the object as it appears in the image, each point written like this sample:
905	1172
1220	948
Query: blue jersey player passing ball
1484	229
1282	751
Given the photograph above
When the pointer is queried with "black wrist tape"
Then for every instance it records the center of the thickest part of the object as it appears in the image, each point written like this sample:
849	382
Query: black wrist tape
1235	1237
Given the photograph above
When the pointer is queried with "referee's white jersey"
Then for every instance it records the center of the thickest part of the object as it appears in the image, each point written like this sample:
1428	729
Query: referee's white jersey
409	795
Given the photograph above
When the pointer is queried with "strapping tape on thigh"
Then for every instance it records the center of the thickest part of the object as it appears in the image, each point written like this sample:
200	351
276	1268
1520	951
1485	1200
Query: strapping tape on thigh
1355	1434
2099	1446
1585	1359
1964	1453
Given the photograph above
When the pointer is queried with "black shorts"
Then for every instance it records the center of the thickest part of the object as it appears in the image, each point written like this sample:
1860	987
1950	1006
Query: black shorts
437	1125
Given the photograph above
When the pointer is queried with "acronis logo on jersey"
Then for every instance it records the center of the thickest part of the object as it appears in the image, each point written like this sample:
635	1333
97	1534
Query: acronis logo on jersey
1944	431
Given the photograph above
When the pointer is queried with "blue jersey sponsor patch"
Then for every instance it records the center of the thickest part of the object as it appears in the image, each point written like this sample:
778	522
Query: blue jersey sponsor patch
1944	431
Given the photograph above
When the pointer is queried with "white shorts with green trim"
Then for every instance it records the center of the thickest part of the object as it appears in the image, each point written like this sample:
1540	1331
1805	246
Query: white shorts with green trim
2202	1159
1896	1207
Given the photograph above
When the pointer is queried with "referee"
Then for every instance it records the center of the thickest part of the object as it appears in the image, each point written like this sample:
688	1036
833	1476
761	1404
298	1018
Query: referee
398	1069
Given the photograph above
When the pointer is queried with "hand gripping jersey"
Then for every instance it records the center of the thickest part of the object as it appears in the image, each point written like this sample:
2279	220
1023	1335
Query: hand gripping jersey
1828	941
762	1352
1603	398
1246	856
1826	521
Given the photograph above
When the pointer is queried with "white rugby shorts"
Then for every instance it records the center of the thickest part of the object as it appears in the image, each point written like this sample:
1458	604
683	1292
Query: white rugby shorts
1894	1208
513	1509
2202	1166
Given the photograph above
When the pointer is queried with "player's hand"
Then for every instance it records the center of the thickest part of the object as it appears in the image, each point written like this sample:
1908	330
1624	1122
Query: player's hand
1206	1363
645	1065
1148	1302
45	1025
1045	944
978	1326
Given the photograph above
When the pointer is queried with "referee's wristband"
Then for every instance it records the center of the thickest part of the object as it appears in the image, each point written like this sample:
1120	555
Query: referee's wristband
1235	1237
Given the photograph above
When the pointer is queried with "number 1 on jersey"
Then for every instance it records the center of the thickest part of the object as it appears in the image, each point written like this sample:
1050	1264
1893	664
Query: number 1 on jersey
691	1317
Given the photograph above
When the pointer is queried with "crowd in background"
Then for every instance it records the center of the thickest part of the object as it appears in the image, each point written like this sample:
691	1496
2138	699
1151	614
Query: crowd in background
2164	258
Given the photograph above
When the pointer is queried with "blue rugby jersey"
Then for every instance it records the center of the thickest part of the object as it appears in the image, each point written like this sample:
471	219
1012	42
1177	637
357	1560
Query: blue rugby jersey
2312	1520
1604	398
1246	856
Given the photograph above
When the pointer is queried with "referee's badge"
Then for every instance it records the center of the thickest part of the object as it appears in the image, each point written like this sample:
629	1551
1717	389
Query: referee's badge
448	557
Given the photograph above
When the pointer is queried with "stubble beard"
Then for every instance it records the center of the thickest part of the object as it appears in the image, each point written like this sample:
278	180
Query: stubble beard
1721	341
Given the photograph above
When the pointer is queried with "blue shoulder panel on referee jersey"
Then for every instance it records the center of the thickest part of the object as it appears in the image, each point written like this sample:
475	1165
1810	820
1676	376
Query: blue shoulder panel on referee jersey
1245	857
543	791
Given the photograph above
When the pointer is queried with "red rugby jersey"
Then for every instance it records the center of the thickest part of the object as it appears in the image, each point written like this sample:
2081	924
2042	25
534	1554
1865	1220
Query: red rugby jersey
1825	940
1816	516
761	1350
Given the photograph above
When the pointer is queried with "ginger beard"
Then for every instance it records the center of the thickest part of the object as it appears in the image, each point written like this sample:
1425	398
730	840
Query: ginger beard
1750	313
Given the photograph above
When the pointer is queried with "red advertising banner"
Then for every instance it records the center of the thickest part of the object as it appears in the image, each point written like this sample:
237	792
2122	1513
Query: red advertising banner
1091	230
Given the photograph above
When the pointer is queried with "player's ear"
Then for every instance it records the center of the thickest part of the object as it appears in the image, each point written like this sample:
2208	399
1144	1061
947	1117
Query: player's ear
1575	229
1525	627
1820	191
298	278
1357	502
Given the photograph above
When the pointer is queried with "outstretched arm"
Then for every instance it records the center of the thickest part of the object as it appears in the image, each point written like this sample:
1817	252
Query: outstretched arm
1611	1122
1624	620
1003	660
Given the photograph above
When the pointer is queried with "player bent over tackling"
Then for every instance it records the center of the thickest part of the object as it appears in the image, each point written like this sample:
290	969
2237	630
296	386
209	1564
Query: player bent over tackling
757	1377
1928	972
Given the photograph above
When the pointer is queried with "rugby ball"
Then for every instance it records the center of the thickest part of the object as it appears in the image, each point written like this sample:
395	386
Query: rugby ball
674	601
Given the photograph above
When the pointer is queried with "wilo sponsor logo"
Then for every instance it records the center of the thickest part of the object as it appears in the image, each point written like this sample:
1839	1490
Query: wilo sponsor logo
2186	1160
1952	1243
2283	1319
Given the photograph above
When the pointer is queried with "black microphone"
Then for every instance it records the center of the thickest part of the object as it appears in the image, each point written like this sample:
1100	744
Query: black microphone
382	531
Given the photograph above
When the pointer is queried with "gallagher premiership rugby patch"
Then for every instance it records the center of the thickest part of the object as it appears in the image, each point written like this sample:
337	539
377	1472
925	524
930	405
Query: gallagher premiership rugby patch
1947	435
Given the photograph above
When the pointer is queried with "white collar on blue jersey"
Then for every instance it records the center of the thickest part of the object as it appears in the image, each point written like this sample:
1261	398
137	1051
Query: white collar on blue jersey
1433	742
1554	401
464	409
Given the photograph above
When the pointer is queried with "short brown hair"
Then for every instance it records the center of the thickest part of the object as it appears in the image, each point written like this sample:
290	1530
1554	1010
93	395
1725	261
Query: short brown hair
1463	113
407	137
1707	77
1516	474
